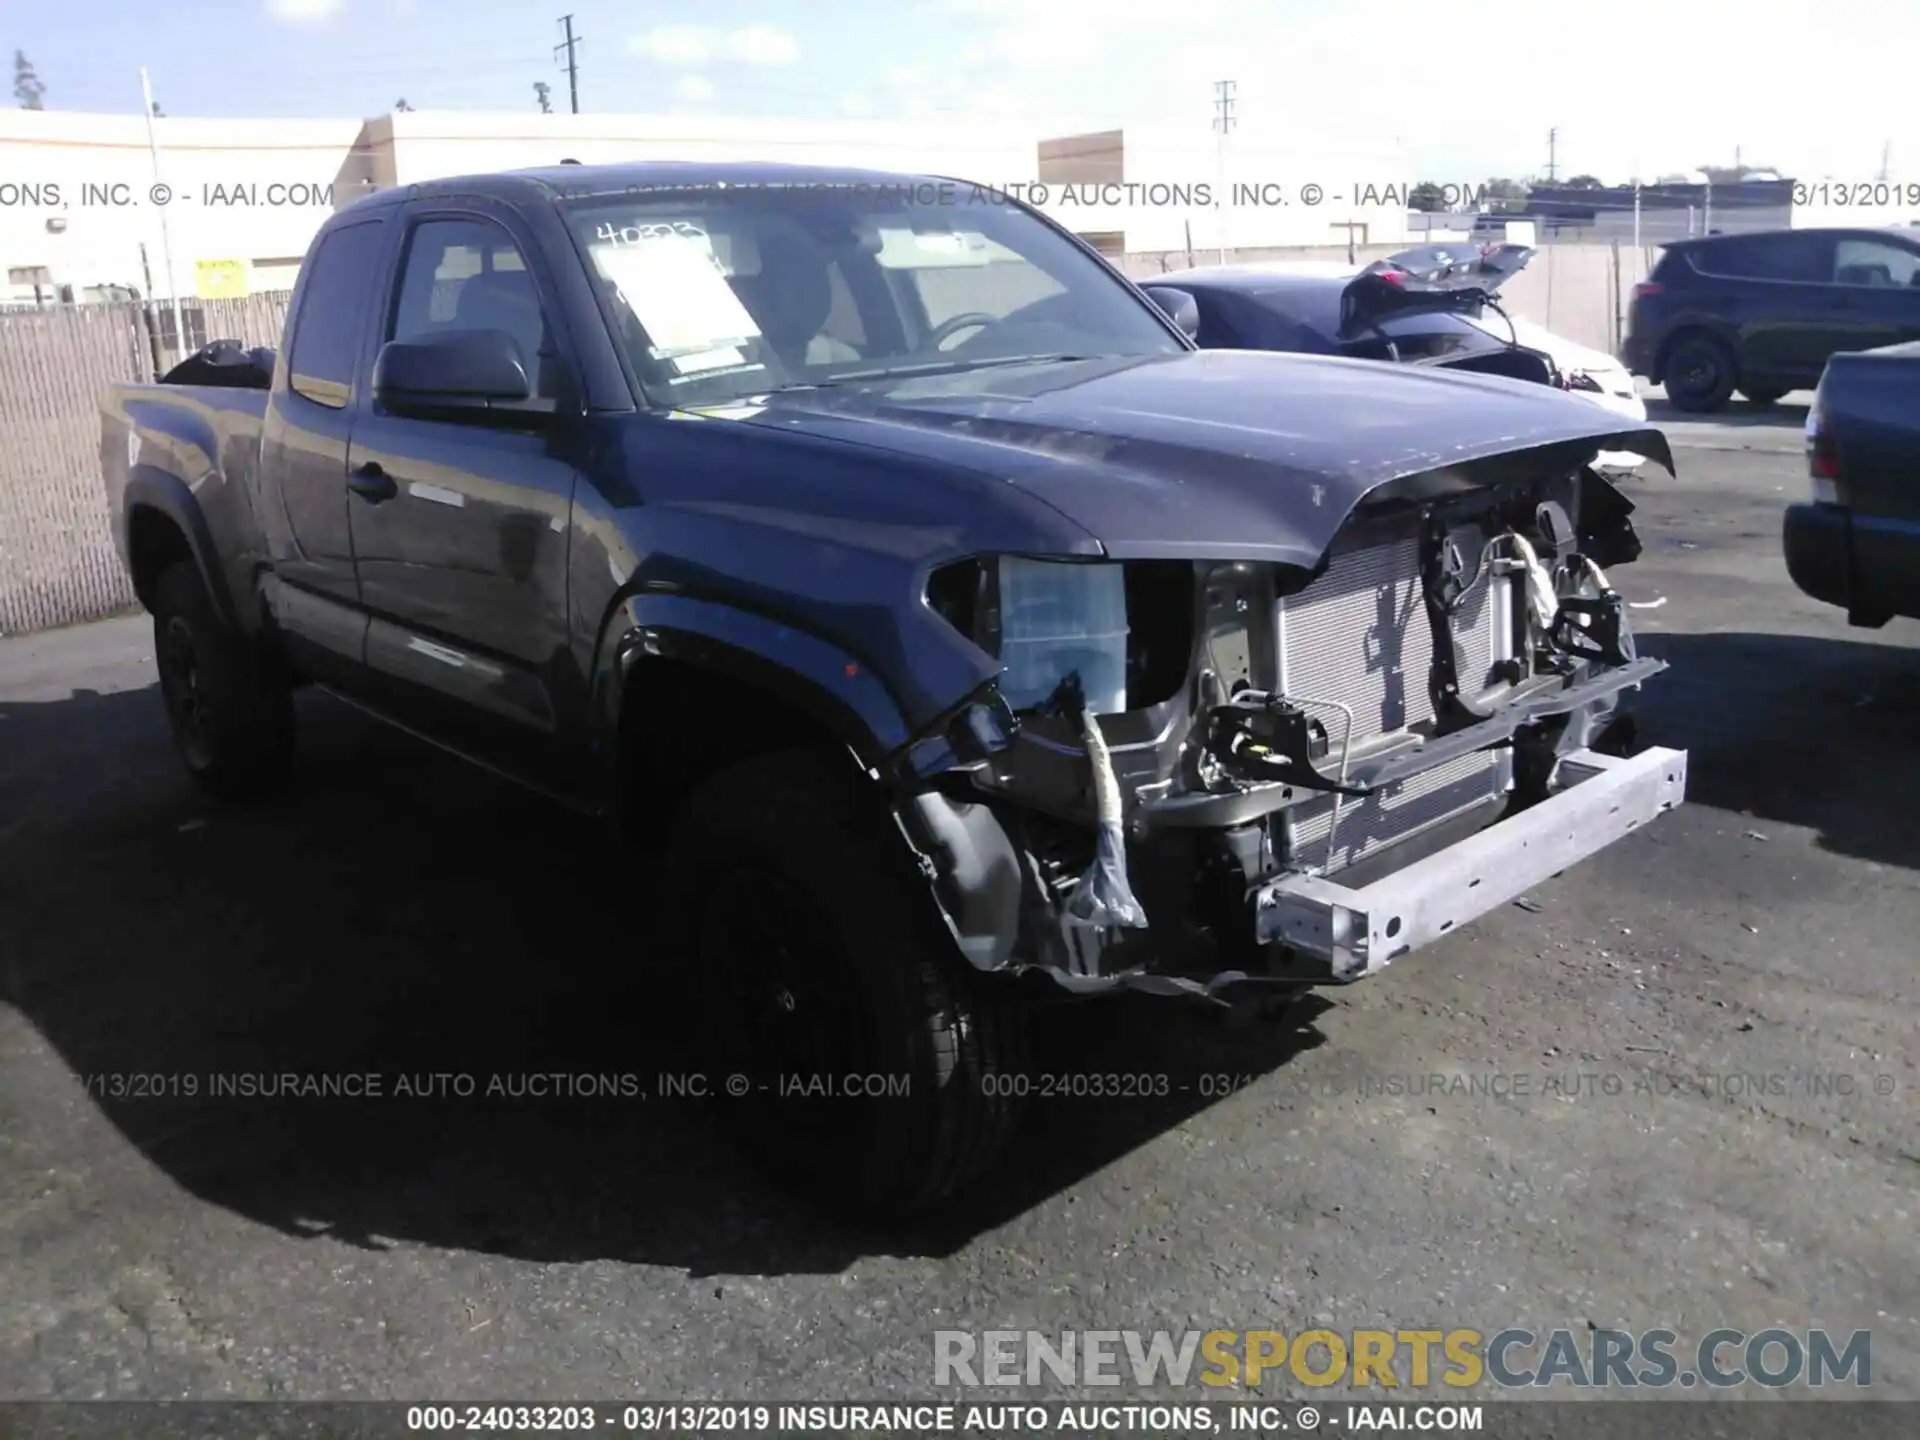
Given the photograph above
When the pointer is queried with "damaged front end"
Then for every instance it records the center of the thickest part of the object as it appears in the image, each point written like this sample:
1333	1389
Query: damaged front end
1198	775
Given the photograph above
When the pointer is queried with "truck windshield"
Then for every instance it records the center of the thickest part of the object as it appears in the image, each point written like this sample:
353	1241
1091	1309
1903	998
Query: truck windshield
720	293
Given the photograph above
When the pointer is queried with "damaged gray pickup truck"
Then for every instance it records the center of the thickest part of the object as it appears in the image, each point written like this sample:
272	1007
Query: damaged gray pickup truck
932	614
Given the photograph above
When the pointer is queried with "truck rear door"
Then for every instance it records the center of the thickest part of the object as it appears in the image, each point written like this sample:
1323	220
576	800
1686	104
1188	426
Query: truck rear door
461	524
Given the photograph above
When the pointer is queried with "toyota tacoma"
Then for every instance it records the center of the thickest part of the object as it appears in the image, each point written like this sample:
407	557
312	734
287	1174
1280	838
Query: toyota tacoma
915	595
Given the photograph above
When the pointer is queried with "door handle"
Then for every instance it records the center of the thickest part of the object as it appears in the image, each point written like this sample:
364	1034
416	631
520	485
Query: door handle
372	483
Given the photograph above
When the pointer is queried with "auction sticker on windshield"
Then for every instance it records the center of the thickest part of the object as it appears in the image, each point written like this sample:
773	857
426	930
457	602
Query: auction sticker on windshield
905	249
677	292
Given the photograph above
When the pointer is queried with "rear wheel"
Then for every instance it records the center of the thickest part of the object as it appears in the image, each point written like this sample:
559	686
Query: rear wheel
230	705
1699	374
852	1050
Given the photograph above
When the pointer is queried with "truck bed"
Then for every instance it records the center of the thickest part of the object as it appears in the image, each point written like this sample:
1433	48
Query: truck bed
1857	545
161	445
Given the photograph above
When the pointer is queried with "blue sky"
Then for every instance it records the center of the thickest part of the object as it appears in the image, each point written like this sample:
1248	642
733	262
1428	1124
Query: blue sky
1634	86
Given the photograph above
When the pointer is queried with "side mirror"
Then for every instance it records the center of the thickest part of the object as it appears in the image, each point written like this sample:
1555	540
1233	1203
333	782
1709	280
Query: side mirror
1180	307
459	371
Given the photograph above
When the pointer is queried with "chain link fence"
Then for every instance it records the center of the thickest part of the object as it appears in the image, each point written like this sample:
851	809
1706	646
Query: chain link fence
57	559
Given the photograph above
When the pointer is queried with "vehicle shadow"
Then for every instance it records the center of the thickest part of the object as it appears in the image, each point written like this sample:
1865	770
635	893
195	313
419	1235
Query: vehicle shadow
1788	413
1801	730
475	981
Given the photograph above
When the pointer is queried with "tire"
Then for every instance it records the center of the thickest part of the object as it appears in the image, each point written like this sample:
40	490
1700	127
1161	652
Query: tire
229	703
1761	398
814	953
1699	374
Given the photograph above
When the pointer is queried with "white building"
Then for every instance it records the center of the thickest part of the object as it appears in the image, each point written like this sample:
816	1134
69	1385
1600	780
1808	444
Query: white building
82	200
1165	189
83	197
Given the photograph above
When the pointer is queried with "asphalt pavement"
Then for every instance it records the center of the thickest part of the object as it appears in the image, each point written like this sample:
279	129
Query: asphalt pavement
1679	1087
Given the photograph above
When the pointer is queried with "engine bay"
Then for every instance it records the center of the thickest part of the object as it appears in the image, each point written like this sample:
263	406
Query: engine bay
1179	733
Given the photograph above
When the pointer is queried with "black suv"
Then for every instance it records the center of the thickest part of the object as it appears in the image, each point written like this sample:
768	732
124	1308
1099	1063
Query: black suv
1760	313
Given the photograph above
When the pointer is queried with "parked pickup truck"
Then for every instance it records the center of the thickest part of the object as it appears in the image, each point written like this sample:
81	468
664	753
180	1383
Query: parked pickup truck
1857	543
909	583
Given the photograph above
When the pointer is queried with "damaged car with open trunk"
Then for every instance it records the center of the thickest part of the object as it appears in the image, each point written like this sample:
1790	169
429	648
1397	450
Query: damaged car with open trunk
937	621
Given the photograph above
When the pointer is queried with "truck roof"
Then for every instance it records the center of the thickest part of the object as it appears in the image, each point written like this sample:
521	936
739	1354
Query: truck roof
1705	242
554	182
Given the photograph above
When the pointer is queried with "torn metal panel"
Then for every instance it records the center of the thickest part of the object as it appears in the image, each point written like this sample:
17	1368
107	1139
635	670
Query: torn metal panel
1104	899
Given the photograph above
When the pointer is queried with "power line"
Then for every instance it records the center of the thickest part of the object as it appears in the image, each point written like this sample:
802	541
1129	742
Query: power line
573	64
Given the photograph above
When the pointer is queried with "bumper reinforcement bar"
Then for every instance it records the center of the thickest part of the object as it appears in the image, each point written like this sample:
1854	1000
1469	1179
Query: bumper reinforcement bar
1356	932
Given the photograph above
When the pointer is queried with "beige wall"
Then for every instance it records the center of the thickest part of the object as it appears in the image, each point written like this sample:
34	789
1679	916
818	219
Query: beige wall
430	145
1099	158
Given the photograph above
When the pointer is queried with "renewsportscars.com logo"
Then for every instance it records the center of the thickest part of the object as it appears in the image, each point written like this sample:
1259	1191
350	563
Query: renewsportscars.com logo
1514	1358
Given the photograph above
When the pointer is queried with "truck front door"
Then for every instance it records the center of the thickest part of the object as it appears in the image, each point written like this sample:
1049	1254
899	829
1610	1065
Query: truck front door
302	506
460	525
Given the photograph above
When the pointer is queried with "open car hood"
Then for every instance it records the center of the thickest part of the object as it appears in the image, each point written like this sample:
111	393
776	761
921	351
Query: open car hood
1428	278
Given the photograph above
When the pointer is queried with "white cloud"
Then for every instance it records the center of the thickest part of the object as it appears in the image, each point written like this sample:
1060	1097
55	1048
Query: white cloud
304	12
910	77
675	44
762	45
856	104
686	46
693	87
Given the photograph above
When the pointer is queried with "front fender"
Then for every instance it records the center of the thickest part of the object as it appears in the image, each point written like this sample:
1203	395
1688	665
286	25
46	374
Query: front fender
825	682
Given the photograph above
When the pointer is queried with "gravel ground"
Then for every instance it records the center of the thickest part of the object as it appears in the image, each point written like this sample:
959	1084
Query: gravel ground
1703	1044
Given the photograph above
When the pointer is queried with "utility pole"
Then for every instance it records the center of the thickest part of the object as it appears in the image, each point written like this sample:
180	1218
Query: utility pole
1553	145
573	64
166	243
1886	155
1223	121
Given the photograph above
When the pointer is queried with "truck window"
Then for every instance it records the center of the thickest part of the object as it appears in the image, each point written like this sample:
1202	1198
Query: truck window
333	314
467	274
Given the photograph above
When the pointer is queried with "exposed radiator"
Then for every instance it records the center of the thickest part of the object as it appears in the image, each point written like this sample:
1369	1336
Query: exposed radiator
1359	635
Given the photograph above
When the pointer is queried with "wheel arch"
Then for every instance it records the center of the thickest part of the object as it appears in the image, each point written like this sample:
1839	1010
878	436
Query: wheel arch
684	686
163	524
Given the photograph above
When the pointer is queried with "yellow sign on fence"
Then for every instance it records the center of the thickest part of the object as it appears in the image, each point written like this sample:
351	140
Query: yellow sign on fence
220	279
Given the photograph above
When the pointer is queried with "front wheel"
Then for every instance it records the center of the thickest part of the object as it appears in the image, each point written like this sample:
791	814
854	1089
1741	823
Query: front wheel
850	1047
230	706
